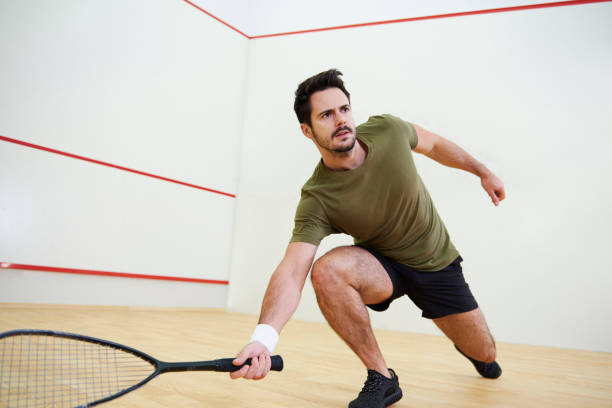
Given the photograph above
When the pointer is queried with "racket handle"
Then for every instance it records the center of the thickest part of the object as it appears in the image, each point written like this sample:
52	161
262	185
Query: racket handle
226	365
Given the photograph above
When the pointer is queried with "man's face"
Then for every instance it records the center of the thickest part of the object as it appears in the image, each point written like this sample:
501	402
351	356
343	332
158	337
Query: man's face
333	125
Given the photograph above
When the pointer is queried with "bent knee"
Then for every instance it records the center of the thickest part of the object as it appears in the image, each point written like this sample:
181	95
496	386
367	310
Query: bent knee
323	274
318	275
329	269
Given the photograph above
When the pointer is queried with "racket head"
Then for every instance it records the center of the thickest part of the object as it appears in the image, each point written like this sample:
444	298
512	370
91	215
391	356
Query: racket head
53	368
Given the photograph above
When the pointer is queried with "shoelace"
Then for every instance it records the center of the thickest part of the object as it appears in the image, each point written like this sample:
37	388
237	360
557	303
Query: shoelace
372	384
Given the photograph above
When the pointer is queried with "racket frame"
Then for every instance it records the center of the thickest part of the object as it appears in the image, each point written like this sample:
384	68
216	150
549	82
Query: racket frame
158	365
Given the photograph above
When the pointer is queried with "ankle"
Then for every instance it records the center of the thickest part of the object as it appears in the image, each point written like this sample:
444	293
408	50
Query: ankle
383	371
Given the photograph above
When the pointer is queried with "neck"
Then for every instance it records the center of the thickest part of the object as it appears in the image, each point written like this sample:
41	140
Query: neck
346	160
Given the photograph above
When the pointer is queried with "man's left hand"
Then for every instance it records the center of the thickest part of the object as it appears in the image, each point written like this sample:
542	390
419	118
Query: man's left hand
494	187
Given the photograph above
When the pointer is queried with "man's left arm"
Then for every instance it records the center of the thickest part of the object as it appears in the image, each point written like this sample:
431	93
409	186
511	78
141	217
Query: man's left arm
449	154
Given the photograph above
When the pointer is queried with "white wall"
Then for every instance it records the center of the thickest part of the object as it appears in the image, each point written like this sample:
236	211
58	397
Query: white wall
526	92
154	86
19	286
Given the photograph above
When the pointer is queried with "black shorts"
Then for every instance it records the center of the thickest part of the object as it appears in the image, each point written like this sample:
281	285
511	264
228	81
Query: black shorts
437	294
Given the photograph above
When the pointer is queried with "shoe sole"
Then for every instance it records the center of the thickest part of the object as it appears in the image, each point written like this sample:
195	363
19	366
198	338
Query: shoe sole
393	398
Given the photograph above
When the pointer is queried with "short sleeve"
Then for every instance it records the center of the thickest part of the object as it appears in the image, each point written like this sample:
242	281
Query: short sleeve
311	224
407	129
412	135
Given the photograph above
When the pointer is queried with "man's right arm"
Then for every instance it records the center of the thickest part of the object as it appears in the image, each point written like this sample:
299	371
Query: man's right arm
279	304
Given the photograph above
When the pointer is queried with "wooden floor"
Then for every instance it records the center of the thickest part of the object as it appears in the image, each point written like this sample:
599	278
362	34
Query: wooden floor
320	371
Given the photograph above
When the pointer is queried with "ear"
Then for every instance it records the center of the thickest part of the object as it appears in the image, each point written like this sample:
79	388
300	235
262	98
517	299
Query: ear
306	130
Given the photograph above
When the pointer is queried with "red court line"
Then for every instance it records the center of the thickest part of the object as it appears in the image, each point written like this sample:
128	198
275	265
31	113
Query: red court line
8	265
403	20
74	156
217	18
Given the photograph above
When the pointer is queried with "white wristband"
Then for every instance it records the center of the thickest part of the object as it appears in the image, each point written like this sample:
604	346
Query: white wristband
266	335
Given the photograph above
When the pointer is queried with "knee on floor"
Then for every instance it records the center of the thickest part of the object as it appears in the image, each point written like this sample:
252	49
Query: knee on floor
486	354
489	355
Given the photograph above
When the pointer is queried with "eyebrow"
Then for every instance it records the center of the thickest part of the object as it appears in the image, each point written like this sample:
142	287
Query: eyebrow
329	110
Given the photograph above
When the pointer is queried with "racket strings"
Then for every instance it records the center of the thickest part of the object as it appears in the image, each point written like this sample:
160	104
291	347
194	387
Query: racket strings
38	370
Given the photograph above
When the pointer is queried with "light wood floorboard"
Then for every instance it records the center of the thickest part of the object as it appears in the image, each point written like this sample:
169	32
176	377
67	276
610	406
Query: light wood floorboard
320	371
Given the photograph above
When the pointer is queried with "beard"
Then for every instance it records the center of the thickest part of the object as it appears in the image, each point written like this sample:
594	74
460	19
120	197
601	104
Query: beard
329	144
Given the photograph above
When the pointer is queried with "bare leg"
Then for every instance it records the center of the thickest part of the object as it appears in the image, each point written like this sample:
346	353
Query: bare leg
345	280
470	333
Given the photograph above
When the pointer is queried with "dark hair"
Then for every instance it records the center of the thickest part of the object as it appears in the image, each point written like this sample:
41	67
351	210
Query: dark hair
320	82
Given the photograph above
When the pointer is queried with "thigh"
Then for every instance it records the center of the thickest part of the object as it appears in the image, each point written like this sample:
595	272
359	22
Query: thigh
440	293
358	268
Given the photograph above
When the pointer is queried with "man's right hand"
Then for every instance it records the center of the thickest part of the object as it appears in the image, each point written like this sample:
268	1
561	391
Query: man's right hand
260	362
279	303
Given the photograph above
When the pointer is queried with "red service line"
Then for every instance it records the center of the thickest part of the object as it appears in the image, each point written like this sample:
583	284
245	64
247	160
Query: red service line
8	265
74	156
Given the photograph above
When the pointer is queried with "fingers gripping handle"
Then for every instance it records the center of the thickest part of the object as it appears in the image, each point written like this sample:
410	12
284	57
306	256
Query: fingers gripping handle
226	365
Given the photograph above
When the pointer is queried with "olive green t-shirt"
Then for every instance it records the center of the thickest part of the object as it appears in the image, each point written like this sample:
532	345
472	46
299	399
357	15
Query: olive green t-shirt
382	204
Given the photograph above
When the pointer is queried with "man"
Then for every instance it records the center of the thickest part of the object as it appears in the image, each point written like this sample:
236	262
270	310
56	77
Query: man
367	186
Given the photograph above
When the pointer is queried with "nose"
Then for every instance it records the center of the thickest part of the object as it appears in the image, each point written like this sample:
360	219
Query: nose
340	118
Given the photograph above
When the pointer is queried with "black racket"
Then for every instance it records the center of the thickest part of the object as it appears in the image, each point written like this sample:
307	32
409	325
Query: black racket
44	368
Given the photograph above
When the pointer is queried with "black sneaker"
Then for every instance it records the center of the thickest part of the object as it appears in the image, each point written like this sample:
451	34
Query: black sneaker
378	391
487	370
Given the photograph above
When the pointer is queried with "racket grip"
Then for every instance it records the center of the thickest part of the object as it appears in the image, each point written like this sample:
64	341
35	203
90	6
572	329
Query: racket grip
226	365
